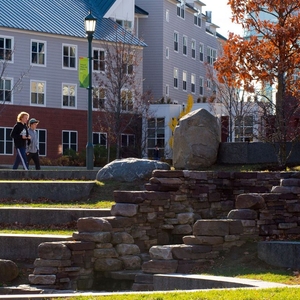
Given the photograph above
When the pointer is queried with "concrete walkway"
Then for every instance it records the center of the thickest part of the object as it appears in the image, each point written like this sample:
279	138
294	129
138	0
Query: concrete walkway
167	286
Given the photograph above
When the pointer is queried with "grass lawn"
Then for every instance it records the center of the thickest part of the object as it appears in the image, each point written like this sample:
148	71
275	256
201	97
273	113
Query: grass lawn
229	294
101	197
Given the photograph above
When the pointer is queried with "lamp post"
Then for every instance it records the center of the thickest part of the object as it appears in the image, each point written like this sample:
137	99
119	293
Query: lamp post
90	25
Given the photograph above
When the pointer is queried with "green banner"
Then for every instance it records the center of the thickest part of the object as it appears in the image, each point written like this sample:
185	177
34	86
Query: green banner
84	72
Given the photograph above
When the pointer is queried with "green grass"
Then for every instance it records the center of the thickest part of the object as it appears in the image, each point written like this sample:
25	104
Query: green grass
38	231
101	197
229	294
88	205
243	262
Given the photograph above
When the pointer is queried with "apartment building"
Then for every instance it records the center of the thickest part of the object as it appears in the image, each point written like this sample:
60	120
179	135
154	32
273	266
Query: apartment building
41	42
45	40
181	41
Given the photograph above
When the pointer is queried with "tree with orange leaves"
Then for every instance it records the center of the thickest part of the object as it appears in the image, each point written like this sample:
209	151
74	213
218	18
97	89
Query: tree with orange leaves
268	54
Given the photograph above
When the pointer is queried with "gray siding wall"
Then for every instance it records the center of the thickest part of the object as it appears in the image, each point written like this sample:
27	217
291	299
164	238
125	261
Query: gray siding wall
151	31
158	70
53	73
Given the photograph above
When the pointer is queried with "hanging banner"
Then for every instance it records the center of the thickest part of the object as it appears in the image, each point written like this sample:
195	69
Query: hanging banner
83	72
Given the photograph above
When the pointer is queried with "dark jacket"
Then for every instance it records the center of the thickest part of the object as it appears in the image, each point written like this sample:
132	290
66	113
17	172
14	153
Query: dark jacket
16	134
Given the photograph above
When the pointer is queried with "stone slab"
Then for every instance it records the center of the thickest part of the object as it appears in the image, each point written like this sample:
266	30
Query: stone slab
61	191
19	246
47	216
6	173
166	282
280	253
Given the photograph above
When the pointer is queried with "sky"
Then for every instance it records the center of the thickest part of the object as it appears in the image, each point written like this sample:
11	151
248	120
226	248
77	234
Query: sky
221	16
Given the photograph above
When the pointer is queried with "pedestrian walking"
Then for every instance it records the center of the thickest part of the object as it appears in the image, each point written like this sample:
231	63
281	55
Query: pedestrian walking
32	149
21	138
156	153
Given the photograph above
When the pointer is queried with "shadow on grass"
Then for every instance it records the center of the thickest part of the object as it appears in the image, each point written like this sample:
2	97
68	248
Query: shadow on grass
243	262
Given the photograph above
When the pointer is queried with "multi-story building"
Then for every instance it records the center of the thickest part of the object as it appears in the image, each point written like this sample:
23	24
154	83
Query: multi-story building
43	40
180	40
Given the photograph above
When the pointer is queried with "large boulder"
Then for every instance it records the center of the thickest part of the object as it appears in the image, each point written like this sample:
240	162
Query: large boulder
196	140
8	270
130	169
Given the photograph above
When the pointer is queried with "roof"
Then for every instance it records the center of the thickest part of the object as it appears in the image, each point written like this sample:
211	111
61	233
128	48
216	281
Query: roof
140	11
63	17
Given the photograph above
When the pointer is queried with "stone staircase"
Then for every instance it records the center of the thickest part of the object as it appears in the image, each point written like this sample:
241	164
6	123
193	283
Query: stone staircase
141	214
34	184
10	244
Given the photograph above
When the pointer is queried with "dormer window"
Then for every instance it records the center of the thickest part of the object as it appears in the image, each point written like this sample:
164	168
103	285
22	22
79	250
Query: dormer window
180	9
126	24
198	19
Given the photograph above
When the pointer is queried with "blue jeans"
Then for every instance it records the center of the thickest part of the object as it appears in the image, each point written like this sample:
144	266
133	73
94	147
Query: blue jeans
21	158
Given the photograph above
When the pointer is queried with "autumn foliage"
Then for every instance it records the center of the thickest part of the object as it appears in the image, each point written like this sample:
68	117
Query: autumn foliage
268	54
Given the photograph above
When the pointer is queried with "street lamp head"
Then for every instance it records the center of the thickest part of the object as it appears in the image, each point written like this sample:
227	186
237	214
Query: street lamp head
90	23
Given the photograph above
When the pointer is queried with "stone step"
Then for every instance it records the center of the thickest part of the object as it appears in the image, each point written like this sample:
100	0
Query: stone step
25	246
284	254
58	191
47	216
167	282
50	174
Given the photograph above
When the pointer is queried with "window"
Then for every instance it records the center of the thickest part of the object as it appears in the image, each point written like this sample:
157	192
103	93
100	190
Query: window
208	84
184	45
69	140
99	60
193	79
38	49
167	52
128	140
167	15
193	48
180	10
201	52
6	142
167	90
184	80
69	95
100	138
201	86
6	48
176	38
211	55
243	128
175	75
37	92
127	64
5	90
69	56
127	100
99	95
125	24
197	19
155	135
42	138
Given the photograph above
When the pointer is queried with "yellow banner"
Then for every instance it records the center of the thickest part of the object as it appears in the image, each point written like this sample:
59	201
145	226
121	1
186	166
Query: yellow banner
84	72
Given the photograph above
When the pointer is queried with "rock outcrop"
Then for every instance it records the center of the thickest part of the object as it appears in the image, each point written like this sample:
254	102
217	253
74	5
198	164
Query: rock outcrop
8	270
130	169
196	140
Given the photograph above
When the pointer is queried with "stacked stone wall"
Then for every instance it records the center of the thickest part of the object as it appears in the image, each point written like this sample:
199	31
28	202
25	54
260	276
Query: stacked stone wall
174	200
183	219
